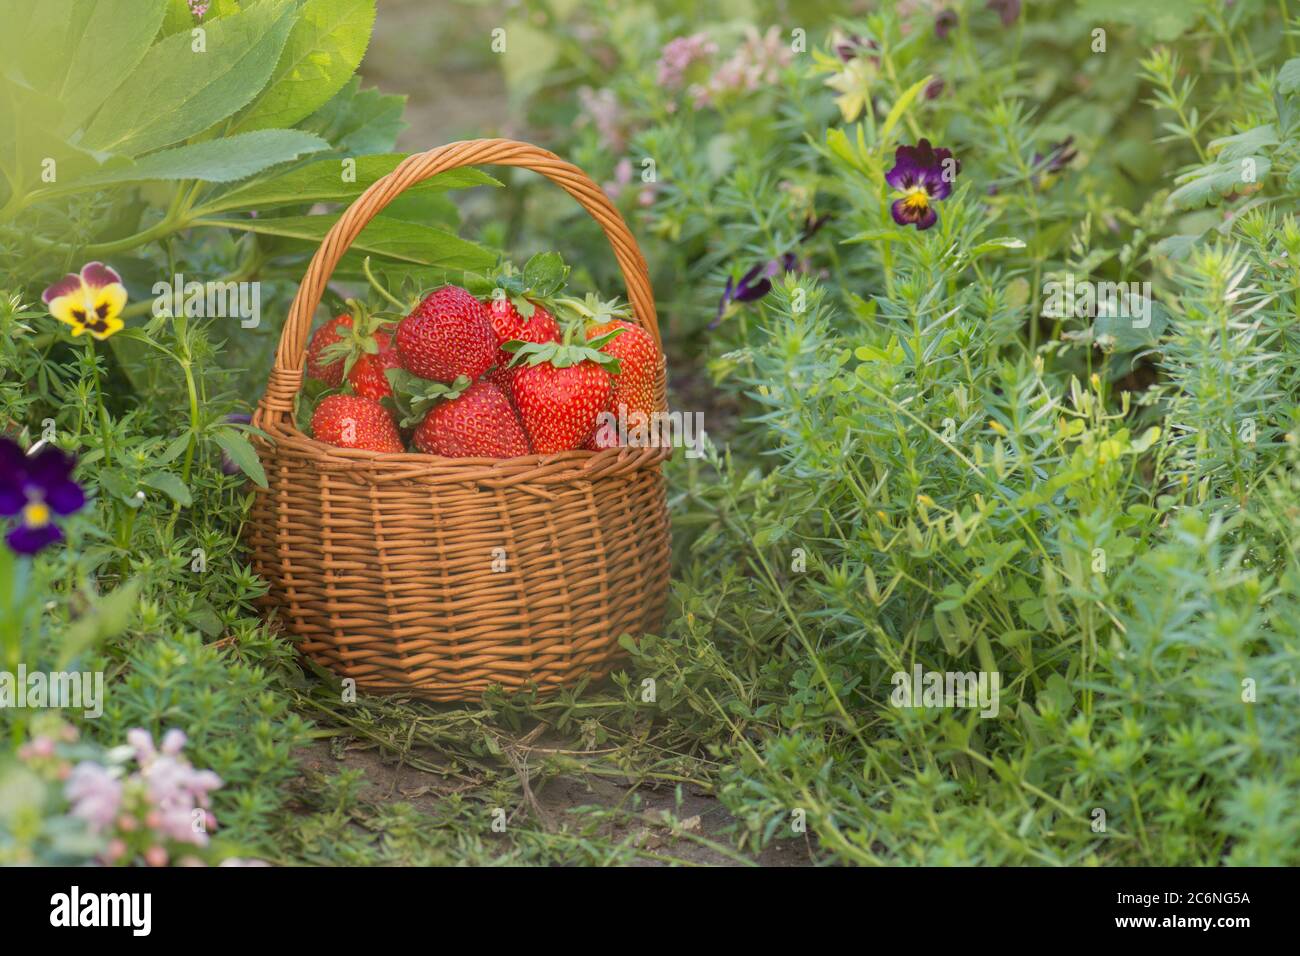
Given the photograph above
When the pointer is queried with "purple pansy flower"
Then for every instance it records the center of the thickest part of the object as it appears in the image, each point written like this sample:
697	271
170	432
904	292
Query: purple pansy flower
1008	10
36	489
753	285
923	175
1059	155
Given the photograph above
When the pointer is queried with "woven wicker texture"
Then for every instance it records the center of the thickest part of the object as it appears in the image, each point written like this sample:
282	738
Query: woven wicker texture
440	577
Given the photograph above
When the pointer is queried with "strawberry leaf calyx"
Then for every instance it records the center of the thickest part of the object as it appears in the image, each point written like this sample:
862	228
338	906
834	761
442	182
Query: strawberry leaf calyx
542	278
559	355
357	338
592	309
413	396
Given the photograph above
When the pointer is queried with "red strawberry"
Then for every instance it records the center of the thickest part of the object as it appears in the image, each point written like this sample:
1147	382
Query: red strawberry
329	372
479	423
558	402
638	362
354	421
510	326
449	334
367	374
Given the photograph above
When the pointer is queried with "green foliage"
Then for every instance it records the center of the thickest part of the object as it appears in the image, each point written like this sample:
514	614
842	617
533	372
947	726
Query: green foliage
914	461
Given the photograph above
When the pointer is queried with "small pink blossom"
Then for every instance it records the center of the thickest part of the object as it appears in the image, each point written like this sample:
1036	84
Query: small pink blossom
622	176
95	793
680	55
756	63
600	108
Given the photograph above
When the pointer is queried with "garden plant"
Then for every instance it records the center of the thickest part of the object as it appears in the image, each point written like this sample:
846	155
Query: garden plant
989	552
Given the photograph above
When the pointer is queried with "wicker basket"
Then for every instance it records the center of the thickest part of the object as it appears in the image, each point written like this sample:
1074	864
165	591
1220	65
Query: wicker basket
440	577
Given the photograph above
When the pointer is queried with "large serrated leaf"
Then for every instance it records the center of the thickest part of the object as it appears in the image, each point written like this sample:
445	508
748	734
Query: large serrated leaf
1288	78
394	238
324	49
1207	183
214	161
116	36
177	92
333	180
1244	144
359	122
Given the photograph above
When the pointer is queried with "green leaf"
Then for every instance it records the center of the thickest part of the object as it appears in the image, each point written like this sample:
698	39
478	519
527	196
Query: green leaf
109	617
170	485
116	36
530	52
404	241
177	91
1162	20
238	449
215	160
544	274
413	396
180	17
1288	78
899	108
1003	242
324	49
1244	144
1207	183
1130	332
329	180
359	121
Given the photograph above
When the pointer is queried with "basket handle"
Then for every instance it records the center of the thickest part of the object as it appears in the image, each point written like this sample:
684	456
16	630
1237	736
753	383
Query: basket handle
287	373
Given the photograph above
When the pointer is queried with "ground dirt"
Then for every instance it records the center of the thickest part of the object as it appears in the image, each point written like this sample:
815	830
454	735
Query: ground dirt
387	779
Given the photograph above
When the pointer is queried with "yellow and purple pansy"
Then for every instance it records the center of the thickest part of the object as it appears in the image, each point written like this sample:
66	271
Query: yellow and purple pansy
923	175
91	301
35	489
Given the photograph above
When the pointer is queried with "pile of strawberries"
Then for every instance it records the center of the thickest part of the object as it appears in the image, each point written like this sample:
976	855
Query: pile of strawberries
520	371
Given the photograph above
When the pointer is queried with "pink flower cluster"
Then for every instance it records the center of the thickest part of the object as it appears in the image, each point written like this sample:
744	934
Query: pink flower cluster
198	8
756	63
600	108
160	801
680	55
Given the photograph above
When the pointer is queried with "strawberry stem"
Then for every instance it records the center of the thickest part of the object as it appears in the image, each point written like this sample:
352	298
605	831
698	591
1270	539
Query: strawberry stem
370	277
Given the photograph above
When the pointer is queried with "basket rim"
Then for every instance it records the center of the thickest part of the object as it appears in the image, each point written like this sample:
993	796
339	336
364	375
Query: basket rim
555	468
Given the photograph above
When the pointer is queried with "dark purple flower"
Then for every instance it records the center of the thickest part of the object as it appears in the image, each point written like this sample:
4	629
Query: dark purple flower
944	23
923	175
934	89
812	226
1059	155
34	490
228	466
753	285
1008	10
849	48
